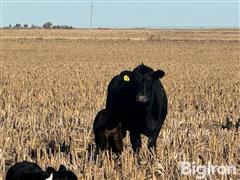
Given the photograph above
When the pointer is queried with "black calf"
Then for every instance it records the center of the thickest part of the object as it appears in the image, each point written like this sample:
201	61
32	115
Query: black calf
31	171
107	139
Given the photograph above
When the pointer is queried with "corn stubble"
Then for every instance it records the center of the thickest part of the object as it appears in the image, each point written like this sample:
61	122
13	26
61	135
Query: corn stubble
52	84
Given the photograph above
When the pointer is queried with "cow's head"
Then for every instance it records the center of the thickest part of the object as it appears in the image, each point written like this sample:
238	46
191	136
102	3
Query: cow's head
144	79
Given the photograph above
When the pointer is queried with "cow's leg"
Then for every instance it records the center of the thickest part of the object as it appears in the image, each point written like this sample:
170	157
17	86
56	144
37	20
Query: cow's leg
135	141
153	139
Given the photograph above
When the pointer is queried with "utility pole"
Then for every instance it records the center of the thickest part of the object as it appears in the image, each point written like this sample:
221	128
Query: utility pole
91	20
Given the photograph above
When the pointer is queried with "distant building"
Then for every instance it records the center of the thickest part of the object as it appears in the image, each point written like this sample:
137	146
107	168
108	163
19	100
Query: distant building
62	27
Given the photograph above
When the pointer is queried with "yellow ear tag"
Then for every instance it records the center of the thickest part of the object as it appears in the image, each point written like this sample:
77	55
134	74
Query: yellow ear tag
126	78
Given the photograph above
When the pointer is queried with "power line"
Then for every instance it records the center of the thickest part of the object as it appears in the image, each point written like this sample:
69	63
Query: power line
91	18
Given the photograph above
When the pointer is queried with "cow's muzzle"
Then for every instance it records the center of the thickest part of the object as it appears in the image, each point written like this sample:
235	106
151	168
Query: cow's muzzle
142	99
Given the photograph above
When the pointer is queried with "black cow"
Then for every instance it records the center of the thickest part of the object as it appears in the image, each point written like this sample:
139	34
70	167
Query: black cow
107	139
31	171
138	101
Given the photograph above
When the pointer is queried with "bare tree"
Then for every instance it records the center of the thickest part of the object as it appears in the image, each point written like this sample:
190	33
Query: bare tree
47	25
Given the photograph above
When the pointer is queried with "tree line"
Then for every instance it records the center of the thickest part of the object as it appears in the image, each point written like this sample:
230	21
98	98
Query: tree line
47	25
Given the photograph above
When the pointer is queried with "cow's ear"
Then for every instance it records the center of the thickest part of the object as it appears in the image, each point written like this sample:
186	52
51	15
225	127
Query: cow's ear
158	74
126	75
62	168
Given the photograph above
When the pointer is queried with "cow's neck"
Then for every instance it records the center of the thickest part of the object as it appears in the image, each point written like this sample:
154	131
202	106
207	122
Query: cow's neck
144	109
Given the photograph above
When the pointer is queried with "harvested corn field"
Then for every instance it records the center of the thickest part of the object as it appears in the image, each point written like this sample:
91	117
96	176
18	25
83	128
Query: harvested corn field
53	82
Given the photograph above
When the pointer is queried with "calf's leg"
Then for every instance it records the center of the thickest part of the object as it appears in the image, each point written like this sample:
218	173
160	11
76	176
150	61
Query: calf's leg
101	141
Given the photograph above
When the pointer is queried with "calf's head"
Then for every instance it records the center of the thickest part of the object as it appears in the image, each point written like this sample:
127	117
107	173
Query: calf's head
61	174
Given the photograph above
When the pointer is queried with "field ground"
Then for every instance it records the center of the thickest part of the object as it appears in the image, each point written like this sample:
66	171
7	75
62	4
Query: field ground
53	82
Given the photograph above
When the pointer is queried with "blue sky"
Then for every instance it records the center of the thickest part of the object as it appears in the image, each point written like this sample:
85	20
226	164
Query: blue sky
109	13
